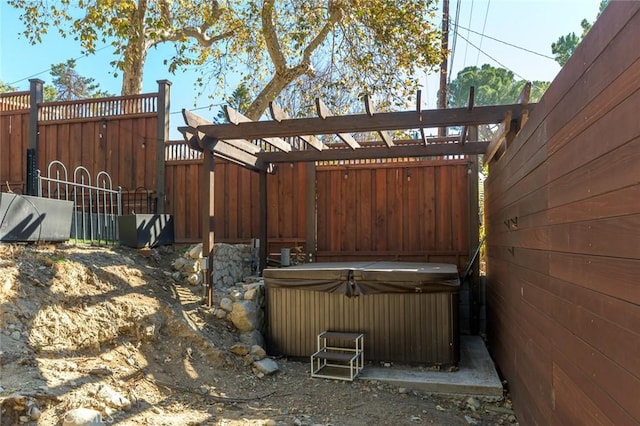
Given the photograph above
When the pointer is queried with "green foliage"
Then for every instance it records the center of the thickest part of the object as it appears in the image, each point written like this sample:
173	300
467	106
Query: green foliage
69	85
492	86
361	46
5	88
239	100
564	47
131	27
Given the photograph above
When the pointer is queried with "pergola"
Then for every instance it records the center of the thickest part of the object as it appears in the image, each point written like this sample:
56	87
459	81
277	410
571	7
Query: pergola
261	145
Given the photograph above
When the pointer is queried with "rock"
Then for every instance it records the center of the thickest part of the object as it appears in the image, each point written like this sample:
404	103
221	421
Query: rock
258	352
191	266
34	412
194	278
471	420
240	349
226	304
24	419
254	337
250	294
221	314
249	285
82	417
112	398
16	335
245	316
179	263
177	276
512	418
195	252
472	403
403	391
236	295
266	366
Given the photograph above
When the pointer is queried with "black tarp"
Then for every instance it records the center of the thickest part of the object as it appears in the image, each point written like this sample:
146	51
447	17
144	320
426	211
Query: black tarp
363	278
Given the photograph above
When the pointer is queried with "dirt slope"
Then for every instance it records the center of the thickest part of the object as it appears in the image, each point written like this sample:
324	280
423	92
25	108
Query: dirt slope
108	329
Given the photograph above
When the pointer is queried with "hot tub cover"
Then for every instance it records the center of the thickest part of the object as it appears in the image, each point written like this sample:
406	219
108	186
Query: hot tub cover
361	278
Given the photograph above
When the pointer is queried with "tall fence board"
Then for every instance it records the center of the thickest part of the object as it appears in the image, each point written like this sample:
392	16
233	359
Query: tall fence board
563	239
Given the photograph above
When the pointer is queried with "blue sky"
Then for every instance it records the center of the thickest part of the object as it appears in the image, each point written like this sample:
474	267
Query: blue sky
531	24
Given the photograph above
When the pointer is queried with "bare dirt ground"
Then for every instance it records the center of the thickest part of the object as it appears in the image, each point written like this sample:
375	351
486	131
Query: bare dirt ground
108	329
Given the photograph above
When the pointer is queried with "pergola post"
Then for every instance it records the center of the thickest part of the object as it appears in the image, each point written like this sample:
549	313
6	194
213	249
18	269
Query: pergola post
208	222
164	105
474	239
262	189
311	229
35	97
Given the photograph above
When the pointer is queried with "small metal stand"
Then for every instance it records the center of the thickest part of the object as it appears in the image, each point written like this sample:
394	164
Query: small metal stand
338	362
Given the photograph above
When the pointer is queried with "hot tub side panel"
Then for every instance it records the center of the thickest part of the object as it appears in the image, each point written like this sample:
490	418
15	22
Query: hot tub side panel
417	328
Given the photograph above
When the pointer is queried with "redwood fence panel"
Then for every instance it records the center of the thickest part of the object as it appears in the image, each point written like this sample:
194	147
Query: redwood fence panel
563	237
14	138
413	211
118	135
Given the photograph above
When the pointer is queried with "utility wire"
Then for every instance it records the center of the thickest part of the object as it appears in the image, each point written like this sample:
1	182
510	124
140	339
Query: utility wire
455	38
492	58
49	69
468	25
507	43
484	26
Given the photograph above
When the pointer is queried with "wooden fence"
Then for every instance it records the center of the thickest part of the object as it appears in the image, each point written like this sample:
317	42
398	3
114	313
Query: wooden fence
563	234
119	135
14	139
412	210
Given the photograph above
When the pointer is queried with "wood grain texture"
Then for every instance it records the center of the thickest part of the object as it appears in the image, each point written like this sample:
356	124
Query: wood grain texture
563	239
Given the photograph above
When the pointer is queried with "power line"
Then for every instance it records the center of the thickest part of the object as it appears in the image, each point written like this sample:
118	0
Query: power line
199	108
49	69
508	44
467	46
492	58
484	26
455	38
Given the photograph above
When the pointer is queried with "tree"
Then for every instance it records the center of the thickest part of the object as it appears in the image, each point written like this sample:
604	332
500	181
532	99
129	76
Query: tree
132	27
564	47
373	47
69	85
239	100
492	86
6	88
368	46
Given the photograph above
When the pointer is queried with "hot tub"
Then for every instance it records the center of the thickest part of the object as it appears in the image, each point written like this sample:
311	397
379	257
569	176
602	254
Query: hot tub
408	312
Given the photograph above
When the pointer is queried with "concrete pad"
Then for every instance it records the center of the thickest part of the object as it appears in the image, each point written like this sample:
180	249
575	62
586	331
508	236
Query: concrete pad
476	375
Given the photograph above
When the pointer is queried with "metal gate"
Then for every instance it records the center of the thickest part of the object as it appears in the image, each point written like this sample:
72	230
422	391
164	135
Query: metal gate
96	206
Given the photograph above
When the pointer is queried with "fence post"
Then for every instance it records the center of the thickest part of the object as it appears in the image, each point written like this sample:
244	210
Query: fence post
164	108
35	97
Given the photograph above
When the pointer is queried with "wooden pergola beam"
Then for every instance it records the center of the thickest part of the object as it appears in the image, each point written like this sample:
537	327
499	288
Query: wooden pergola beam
223	150
500	136
404	151
194	120
363	123
237	118
386	136
324	113
278	114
